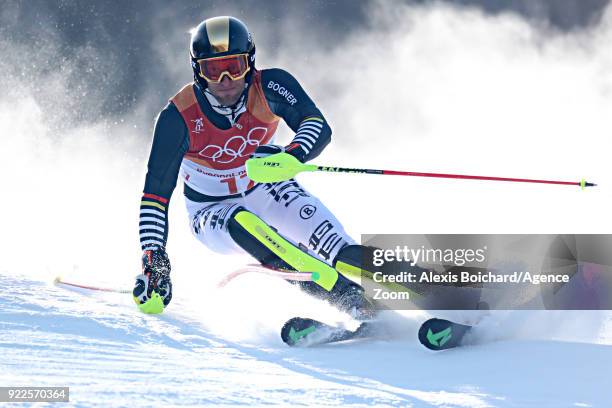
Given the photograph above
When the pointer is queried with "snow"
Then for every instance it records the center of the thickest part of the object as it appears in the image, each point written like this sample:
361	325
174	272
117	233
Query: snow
474	95
109	354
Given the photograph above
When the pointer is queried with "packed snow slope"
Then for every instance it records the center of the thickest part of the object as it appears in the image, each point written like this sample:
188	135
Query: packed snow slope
110	355
468	93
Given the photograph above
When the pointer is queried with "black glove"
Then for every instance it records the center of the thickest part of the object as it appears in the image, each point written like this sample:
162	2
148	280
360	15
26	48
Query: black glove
155	277
293	149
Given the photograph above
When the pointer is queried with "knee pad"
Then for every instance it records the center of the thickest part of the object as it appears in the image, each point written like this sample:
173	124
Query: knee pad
251	244
266	245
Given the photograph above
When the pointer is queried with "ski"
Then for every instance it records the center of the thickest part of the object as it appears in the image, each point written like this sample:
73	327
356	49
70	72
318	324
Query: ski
304	332
440	334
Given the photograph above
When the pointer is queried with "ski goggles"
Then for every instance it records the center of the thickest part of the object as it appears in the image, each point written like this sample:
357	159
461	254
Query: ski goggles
234	66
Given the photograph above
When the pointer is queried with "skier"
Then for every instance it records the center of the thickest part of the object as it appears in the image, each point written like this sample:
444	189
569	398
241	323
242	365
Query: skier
205	134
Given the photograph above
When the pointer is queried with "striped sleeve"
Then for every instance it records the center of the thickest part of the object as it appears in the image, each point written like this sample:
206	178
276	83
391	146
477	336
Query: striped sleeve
312	136
153	221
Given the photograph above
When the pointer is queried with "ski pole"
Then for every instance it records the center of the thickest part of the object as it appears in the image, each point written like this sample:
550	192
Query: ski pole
283	166
582	183
58	280
280	273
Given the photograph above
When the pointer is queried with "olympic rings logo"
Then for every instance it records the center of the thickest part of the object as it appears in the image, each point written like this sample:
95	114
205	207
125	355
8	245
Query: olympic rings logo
235	147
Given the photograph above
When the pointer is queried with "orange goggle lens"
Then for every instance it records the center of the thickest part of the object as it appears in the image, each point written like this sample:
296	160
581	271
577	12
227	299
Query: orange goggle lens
234	66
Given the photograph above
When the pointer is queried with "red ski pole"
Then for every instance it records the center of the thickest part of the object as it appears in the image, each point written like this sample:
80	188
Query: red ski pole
582	183
283	166
58	280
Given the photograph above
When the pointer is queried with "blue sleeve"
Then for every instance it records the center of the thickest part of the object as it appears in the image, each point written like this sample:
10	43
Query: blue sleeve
170	143
287	99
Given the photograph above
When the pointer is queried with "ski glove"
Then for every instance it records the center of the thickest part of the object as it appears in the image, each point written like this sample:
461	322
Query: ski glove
272	163
293	149
154	282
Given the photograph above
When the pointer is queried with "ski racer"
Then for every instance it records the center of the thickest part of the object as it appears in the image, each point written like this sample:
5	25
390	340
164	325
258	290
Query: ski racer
204	135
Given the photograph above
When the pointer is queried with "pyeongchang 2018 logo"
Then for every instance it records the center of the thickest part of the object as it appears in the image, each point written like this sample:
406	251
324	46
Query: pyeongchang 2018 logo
235	147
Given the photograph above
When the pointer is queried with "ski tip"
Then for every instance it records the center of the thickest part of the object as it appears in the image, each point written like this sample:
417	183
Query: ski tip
293	331
285	333
296	330
440	334
425	332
